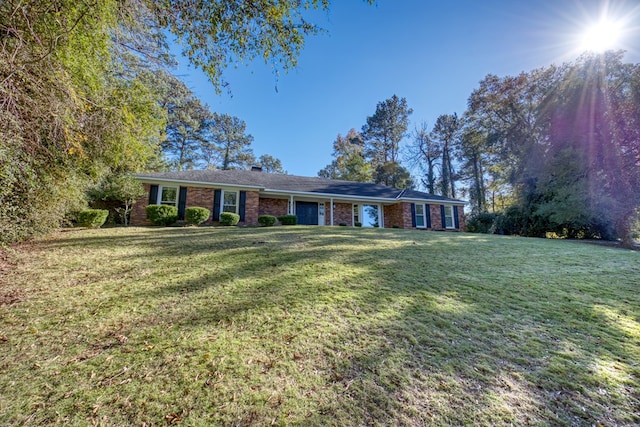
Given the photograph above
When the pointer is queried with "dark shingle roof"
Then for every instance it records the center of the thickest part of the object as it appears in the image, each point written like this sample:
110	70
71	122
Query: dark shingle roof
278	182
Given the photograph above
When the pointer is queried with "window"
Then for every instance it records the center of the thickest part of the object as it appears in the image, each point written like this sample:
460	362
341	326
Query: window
448	217
230	201
420	216
168	196
367	215
370	216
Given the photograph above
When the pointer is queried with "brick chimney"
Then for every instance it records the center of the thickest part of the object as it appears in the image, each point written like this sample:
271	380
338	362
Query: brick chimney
256	168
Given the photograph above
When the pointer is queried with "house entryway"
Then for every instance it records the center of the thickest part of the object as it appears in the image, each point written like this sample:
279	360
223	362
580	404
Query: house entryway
307	213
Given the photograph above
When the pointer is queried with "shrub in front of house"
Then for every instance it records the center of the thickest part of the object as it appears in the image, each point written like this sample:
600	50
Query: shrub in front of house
196	215
358	224
481	223
229	218
288	219
162	214
266	220
93	218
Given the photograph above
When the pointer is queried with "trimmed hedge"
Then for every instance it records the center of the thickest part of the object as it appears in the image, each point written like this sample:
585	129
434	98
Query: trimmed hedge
196	215
229	218
93	218
267	220
288	219
162	214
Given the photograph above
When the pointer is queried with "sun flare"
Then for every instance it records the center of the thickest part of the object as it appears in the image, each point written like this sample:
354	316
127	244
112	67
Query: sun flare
601	36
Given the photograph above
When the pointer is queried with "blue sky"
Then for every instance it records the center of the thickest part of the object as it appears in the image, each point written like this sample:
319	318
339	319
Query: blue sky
433	53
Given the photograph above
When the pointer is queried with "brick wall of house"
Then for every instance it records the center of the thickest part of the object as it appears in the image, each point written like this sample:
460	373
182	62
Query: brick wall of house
275	207
139	213
327	213
398	215
201	197
251	208
342	214
461	218
436	217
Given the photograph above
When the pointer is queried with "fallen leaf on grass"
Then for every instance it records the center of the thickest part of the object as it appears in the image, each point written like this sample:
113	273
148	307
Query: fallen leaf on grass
172	418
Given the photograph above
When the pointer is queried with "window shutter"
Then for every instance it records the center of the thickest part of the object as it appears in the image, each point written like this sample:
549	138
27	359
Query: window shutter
217	194
455	217
243	202
153	195
413	214
427	211
444	221
182	202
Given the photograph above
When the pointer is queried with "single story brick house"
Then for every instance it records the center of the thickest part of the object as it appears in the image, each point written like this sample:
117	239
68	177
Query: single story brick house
314	200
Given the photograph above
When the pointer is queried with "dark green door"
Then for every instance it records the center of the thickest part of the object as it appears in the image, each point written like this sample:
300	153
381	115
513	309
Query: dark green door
307	213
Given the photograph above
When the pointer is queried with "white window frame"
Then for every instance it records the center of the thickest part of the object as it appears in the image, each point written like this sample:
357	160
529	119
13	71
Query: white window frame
222	205
359	208
449	208
423	215
160	191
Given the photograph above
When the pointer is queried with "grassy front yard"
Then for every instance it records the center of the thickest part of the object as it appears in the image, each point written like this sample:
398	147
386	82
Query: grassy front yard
317	326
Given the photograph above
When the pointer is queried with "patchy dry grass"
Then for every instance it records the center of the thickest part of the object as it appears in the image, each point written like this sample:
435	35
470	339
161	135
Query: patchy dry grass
317	326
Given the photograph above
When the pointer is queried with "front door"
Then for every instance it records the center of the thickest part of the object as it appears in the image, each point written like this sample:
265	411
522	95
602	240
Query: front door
307	213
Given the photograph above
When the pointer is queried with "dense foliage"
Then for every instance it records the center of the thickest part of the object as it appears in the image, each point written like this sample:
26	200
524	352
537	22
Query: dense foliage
266	220
564	141
92	218
229	218
196	215
374	154
162	214
288	219
553	150
82	94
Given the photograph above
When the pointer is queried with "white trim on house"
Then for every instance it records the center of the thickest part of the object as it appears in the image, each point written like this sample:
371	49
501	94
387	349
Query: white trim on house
222	205
432	201
159	199
325	196
453	220
360	212
423	215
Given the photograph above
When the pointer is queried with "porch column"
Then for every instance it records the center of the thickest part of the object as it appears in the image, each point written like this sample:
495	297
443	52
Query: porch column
331	208
292	208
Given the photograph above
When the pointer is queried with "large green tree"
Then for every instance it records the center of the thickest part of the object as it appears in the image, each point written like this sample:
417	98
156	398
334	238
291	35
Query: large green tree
385	129
446	132
349	159
189	129
270	164
229	138
566	140
472	168
68	111
382	133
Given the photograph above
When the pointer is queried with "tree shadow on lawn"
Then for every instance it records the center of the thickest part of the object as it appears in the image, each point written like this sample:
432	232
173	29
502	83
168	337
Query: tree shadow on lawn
435	351
404	339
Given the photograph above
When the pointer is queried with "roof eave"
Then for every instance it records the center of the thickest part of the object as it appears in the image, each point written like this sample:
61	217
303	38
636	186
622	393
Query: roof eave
330	195
450	201
198	183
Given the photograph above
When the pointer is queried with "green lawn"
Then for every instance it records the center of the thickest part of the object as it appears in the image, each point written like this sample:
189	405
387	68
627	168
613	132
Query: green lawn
317	326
